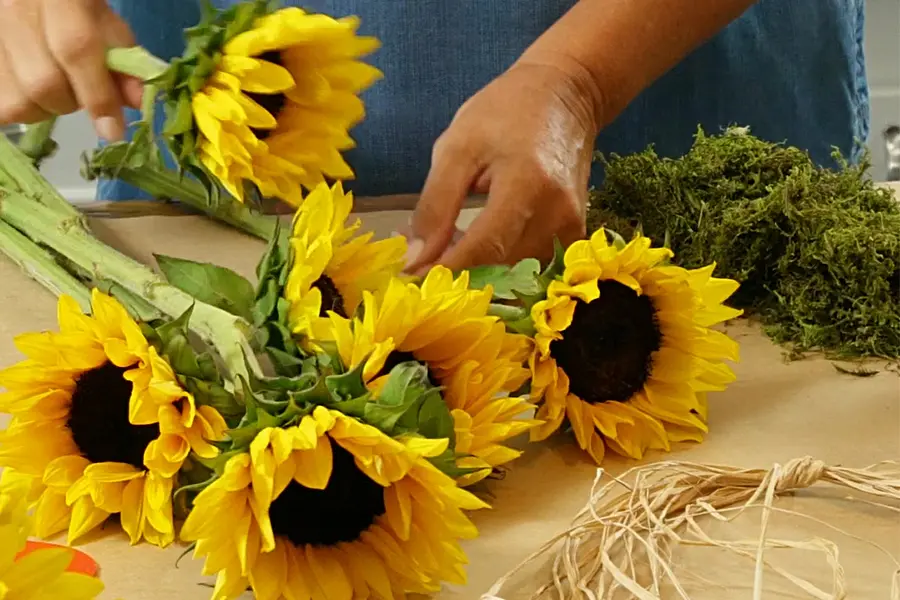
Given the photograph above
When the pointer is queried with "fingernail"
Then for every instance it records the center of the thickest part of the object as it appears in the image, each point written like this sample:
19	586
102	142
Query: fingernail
109	129
413	250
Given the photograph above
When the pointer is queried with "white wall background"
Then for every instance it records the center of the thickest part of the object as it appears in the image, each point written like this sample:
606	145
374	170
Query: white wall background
75	135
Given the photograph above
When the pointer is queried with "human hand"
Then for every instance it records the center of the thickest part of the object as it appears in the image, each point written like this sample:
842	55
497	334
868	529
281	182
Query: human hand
53	62
526	140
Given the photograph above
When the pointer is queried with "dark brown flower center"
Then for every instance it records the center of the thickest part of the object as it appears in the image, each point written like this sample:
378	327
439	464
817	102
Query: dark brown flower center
98	419
274	103
331	297
607	351
349	505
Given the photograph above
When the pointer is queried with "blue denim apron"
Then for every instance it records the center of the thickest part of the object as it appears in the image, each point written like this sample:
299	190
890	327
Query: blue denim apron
791	70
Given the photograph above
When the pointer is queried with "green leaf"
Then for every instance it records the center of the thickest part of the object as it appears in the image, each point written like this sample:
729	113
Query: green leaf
218	286
287	384
617	240
285	364
242	436
401	378
250	407
435	420
507	281
208	369
181	355
273	258
556	267
386	416
314	395
180	118
354	408
215	395
266	301
176	327
346	386
282	308
446	462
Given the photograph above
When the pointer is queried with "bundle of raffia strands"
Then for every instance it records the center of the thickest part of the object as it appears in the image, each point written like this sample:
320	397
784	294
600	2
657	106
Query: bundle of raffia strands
621	544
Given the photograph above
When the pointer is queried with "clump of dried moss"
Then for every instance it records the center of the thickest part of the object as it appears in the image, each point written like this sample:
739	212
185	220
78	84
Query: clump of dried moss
817	250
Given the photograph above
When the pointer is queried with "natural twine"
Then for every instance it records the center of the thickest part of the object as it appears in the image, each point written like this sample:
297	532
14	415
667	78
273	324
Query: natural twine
613	536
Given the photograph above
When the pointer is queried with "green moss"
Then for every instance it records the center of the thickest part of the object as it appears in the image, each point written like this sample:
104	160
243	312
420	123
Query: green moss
817	251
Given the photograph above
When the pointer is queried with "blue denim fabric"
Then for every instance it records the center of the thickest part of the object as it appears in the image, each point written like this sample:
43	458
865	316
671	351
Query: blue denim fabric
792	71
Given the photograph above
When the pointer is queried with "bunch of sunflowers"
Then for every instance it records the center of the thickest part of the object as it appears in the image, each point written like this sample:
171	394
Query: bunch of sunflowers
314	434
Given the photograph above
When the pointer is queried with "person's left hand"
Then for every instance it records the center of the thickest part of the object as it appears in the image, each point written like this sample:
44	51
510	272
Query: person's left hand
526	140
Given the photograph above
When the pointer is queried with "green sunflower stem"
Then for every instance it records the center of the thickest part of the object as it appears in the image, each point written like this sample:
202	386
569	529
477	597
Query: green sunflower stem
227	334
18	174
162	182
41	266
516	318
135	61
507	312
37	141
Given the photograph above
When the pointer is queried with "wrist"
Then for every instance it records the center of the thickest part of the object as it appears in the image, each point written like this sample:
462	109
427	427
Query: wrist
579	84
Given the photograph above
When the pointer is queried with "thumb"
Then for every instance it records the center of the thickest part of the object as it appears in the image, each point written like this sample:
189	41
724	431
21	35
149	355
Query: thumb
433	222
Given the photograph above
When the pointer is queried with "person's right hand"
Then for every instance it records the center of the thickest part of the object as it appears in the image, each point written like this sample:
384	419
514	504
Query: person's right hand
53	62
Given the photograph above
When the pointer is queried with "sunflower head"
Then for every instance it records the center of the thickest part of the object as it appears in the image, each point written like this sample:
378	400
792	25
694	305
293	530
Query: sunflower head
41	573
440	329
101	422
263	98
624	353
331	508
325	265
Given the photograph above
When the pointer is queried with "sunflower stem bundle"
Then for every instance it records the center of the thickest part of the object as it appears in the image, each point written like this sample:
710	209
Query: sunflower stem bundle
41	214
18	174
119	161
41	266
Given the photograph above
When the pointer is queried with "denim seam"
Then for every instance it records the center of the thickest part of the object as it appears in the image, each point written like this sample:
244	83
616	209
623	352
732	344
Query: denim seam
861	125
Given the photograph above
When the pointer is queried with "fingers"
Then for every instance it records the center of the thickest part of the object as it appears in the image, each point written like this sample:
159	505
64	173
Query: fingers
15	107
433	224
53	62
498	229
38	75
117	34
79	45
525	211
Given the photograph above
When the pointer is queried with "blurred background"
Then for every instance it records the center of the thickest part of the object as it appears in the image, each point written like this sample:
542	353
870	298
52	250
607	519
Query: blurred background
75	135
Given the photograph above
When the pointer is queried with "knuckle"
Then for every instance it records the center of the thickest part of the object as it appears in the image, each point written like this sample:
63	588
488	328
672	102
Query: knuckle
447	145
100	104
489	250
42	85
12	109
74	46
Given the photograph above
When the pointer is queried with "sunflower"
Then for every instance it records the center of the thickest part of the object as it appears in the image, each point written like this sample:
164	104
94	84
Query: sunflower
331	266
444	325
100	423
624	350
278	105
41	573
332	508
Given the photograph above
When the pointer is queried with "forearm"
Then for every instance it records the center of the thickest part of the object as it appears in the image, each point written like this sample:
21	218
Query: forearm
622	46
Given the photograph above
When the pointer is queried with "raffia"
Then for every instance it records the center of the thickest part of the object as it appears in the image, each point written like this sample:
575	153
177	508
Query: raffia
622	543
